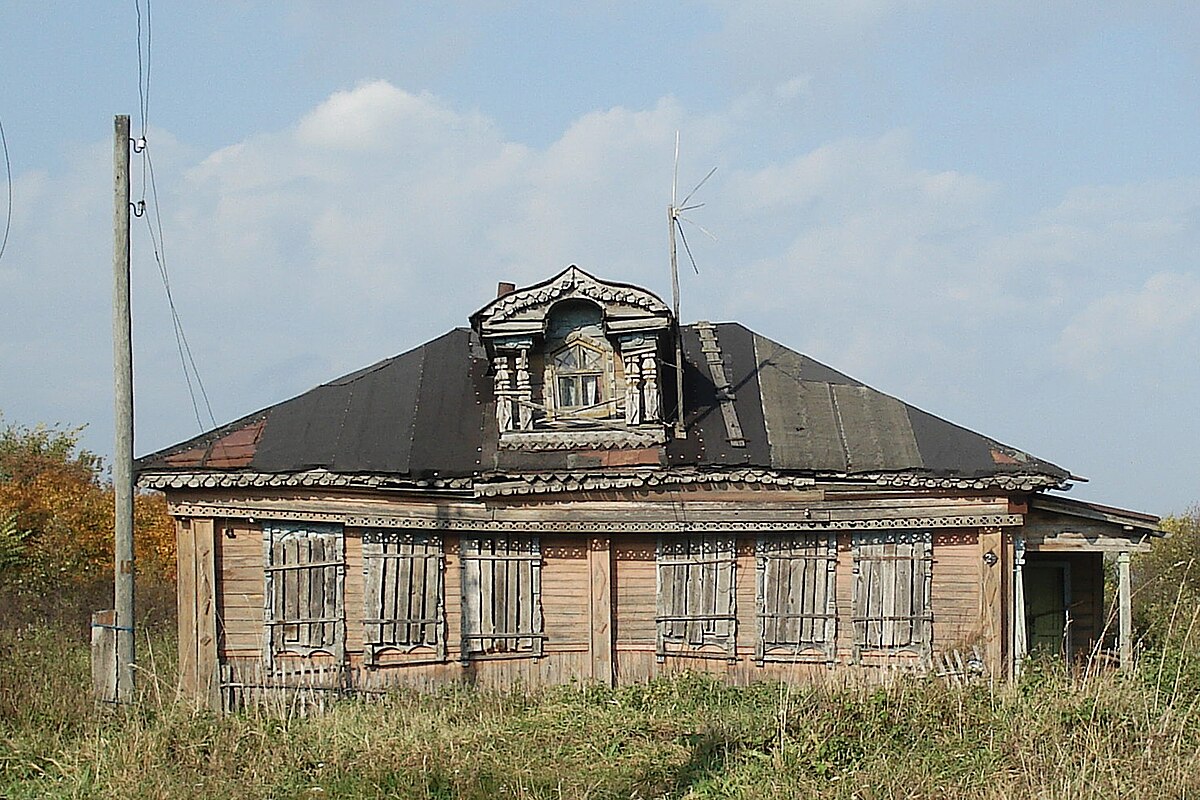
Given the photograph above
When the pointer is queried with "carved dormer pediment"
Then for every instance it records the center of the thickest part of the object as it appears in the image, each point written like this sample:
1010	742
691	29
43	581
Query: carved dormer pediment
576	363
524	311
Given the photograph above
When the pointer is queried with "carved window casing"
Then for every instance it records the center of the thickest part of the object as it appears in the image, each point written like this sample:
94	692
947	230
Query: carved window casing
305	574
893	575
575	364
697	596
403	593
797	597
501	596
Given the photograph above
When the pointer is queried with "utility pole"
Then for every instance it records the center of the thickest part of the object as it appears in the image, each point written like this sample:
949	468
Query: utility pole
123	416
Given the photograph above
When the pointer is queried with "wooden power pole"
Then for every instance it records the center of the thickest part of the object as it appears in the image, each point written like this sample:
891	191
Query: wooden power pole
123	416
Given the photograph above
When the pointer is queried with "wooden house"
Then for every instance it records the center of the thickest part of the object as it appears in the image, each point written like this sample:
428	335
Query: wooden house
522	502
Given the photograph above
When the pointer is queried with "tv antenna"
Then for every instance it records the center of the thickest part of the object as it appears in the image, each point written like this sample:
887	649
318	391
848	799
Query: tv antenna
675	220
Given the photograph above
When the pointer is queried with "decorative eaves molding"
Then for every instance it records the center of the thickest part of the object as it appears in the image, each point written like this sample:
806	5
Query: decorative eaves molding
622	524
528	483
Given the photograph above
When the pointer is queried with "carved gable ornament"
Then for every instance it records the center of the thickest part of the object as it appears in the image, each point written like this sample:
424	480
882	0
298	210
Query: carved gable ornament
576	363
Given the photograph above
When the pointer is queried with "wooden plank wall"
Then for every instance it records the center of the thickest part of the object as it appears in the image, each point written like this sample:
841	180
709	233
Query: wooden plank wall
573	600
197	592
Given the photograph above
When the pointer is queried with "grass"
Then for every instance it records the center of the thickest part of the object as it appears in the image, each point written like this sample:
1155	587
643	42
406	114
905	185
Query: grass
1057	734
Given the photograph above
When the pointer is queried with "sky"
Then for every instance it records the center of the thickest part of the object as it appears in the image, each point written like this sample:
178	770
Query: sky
990	210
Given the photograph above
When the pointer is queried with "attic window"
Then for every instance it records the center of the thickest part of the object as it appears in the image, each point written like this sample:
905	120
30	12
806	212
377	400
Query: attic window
579	377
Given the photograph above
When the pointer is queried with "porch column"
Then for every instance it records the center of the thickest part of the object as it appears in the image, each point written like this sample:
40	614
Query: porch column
1125	609
1020	643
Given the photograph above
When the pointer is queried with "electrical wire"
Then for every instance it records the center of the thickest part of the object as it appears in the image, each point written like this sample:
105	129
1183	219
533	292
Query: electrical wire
187	360
8	173
185	350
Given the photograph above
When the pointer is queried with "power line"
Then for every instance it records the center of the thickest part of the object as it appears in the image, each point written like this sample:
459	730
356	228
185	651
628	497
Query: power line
8	173
187	360
185	351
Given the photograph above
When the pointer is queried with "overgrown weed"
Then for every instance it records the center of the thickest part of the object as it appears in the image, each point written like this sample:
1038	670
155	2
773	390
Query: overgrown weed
1057	732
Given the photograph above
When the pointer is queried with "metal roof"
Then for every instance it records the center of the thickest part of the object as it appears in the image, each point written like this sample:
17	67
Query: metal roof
428	413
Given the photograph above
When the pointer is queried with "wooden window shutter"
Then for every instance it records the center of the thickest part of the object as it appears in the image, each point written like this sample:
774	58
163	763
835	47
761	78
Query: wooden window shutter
501	596
403	593
797	600
697	599
893	574
305	577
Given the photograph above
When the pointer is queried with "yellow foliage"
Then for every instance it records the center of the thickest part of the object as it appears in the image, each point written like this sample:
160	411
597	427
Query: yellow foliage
56	497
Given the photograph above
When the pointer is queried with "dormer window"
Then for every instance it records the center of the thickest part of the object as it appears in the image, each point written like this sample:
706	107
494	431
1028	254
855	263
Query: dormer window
575	364
578	372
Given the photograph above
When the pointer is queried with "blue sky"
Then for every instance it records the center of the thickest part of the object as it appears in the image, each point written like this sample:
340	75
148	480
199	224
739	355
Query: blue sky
990	210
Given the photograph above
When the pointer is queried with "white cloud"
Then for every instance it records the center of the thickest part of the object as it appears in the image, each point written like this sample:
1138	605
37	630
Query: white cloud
382	217
1132	324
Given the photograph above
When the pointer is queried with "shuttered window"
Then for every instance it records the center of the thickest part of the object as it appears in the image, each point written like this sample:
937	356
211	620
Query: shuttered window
305	576
892	581
697	604
501	596
402	593
797	602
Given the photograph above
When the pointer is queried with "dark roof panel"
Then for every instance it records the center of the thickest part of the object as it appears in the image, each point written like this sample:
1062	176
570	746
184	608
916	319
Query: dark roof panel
428	412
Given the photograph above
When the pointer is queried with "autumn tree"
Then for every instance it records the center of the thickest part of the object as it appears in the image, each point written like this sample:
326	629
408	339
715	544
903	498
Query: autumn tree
56	513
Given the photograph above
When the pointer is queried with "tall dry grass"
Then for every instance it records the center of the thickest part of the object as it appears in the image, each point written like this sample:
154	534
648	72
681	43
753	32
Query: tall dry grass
1056	734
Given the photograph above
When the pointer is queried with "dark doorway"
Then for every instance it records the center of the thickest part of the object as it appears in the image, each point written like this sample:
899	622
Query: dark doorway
1047	607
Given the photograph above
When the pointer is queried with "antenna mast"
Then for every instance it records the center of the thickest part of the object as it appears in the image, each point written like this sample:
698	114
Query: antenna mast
674	221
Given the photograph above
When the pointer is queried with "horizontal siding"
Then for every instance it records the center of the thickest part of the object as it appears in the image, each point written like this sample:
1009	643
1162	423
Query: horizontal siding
566	596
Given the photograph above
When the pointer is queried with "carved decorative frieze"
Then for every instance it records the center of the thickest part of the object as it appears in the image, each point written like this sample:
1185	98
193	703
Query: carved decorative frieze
605	439
400	519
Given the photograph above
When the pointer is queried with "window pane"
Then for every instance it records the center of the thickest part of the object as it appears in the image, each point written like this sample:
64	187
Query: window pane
567	358
591	390
568	392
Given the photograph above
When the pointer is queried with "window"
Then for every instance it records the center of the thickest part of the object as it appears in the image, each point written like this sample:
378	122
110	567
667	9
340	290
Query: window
305	573
579	373
797	601
697	606
892	577
402	593
501	596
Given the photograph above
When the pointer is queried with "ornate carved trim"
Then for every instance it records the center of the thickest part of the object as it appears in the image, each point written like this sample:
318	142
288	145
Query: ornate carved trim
547	483
314	478
573	283
400	519
592	440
